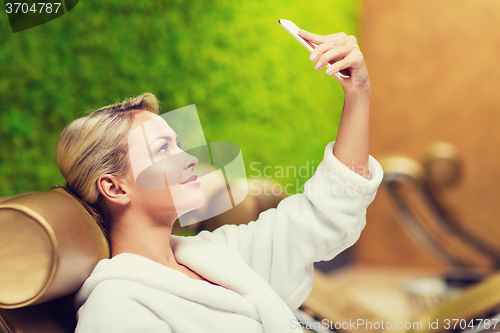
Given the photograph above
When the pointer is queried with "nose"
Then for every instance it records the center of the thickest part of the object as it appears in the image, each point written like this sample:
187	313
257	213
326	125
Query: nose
190	161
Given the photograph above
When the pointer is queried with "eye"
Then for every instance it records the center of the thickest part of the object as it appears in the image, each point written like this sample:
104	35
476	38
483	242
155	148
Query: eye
163	149
178	143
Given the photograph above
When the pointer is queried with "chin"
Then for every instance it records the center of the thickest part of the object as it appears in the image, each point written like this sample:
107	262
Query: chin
189	201
199	200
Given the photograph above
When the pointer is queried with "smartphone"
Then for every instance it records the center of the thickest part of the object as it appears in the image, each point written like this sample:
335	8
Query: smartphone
310	46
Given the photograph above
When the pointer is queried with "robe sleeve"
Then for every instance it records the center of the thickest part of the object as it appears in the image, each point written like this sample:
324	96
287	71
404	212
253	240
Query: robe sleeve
284	242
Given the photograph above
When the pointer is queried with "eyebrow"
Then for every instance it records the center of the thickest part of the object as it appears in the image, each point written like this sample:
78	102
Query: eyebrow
166	138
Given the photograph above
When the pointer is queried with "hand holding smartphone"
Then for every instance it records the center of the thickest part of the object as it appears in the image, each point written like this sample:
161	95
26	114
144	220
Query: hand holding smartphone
293	30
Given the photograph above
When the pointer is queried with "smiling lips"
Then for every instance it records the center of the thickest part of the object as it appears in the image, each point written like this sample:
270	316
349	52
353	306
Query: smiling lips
190	179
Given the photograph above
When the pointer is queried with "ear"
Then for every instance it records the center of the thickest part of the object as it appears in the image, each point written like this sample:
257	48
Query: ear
113	189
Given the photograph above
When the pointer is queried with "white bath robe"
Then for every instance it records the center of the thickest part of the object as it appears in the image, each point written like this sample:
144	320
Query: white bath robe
264	269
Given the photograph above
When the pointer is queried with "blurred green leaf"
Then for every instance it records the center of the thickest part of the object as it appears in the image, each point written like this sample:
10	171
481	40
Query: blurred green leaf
252	83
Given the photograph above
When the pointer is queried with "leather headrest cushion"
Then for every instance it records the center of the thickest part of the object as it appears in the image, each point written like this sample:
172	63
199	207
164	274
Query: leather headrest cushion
49	245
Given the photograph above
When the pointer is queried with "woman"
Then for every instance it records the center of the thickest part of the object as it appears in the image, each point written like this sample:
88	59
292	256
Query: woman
245	278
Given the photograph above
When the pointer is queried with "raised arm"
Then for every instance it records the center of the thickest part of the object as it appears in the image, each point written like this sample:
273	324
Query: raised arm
284	242
352	143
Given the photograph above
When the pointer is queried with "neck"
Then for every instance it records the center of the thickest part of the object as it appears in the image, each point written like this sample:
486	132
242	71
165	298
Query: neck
146	238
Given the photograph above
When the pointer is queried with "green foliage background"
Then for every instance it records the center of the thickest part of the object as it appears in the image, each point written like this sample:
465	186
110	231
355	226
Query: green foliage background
251	82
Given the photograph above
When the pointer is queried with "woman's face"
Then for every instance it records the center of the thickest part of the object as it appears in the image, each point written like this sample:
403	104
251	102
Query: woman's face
162	176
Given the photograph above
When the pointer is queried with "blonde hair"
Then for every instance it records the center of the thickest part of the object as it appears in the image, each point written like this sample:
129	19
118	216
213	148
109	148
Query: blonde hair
97	144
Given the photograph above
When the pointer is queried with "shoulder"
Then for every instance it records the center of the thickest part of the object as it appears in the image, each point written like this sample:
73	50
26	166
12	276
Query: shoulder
119	306
115	293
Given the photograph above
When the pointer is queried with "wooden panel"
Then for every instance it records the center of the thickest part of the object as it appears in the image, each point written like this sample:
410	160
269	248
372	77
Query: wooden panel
435	76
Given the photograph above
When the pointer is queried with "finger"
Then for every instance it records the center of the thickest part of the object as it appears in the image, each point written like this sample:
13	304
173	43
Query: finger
334	54
338	35
325	47
337	67
316	39
352	61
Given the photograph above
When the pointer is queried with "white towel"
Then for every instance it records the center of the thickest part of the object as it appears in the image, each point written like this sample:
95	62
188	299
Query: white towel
264	269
